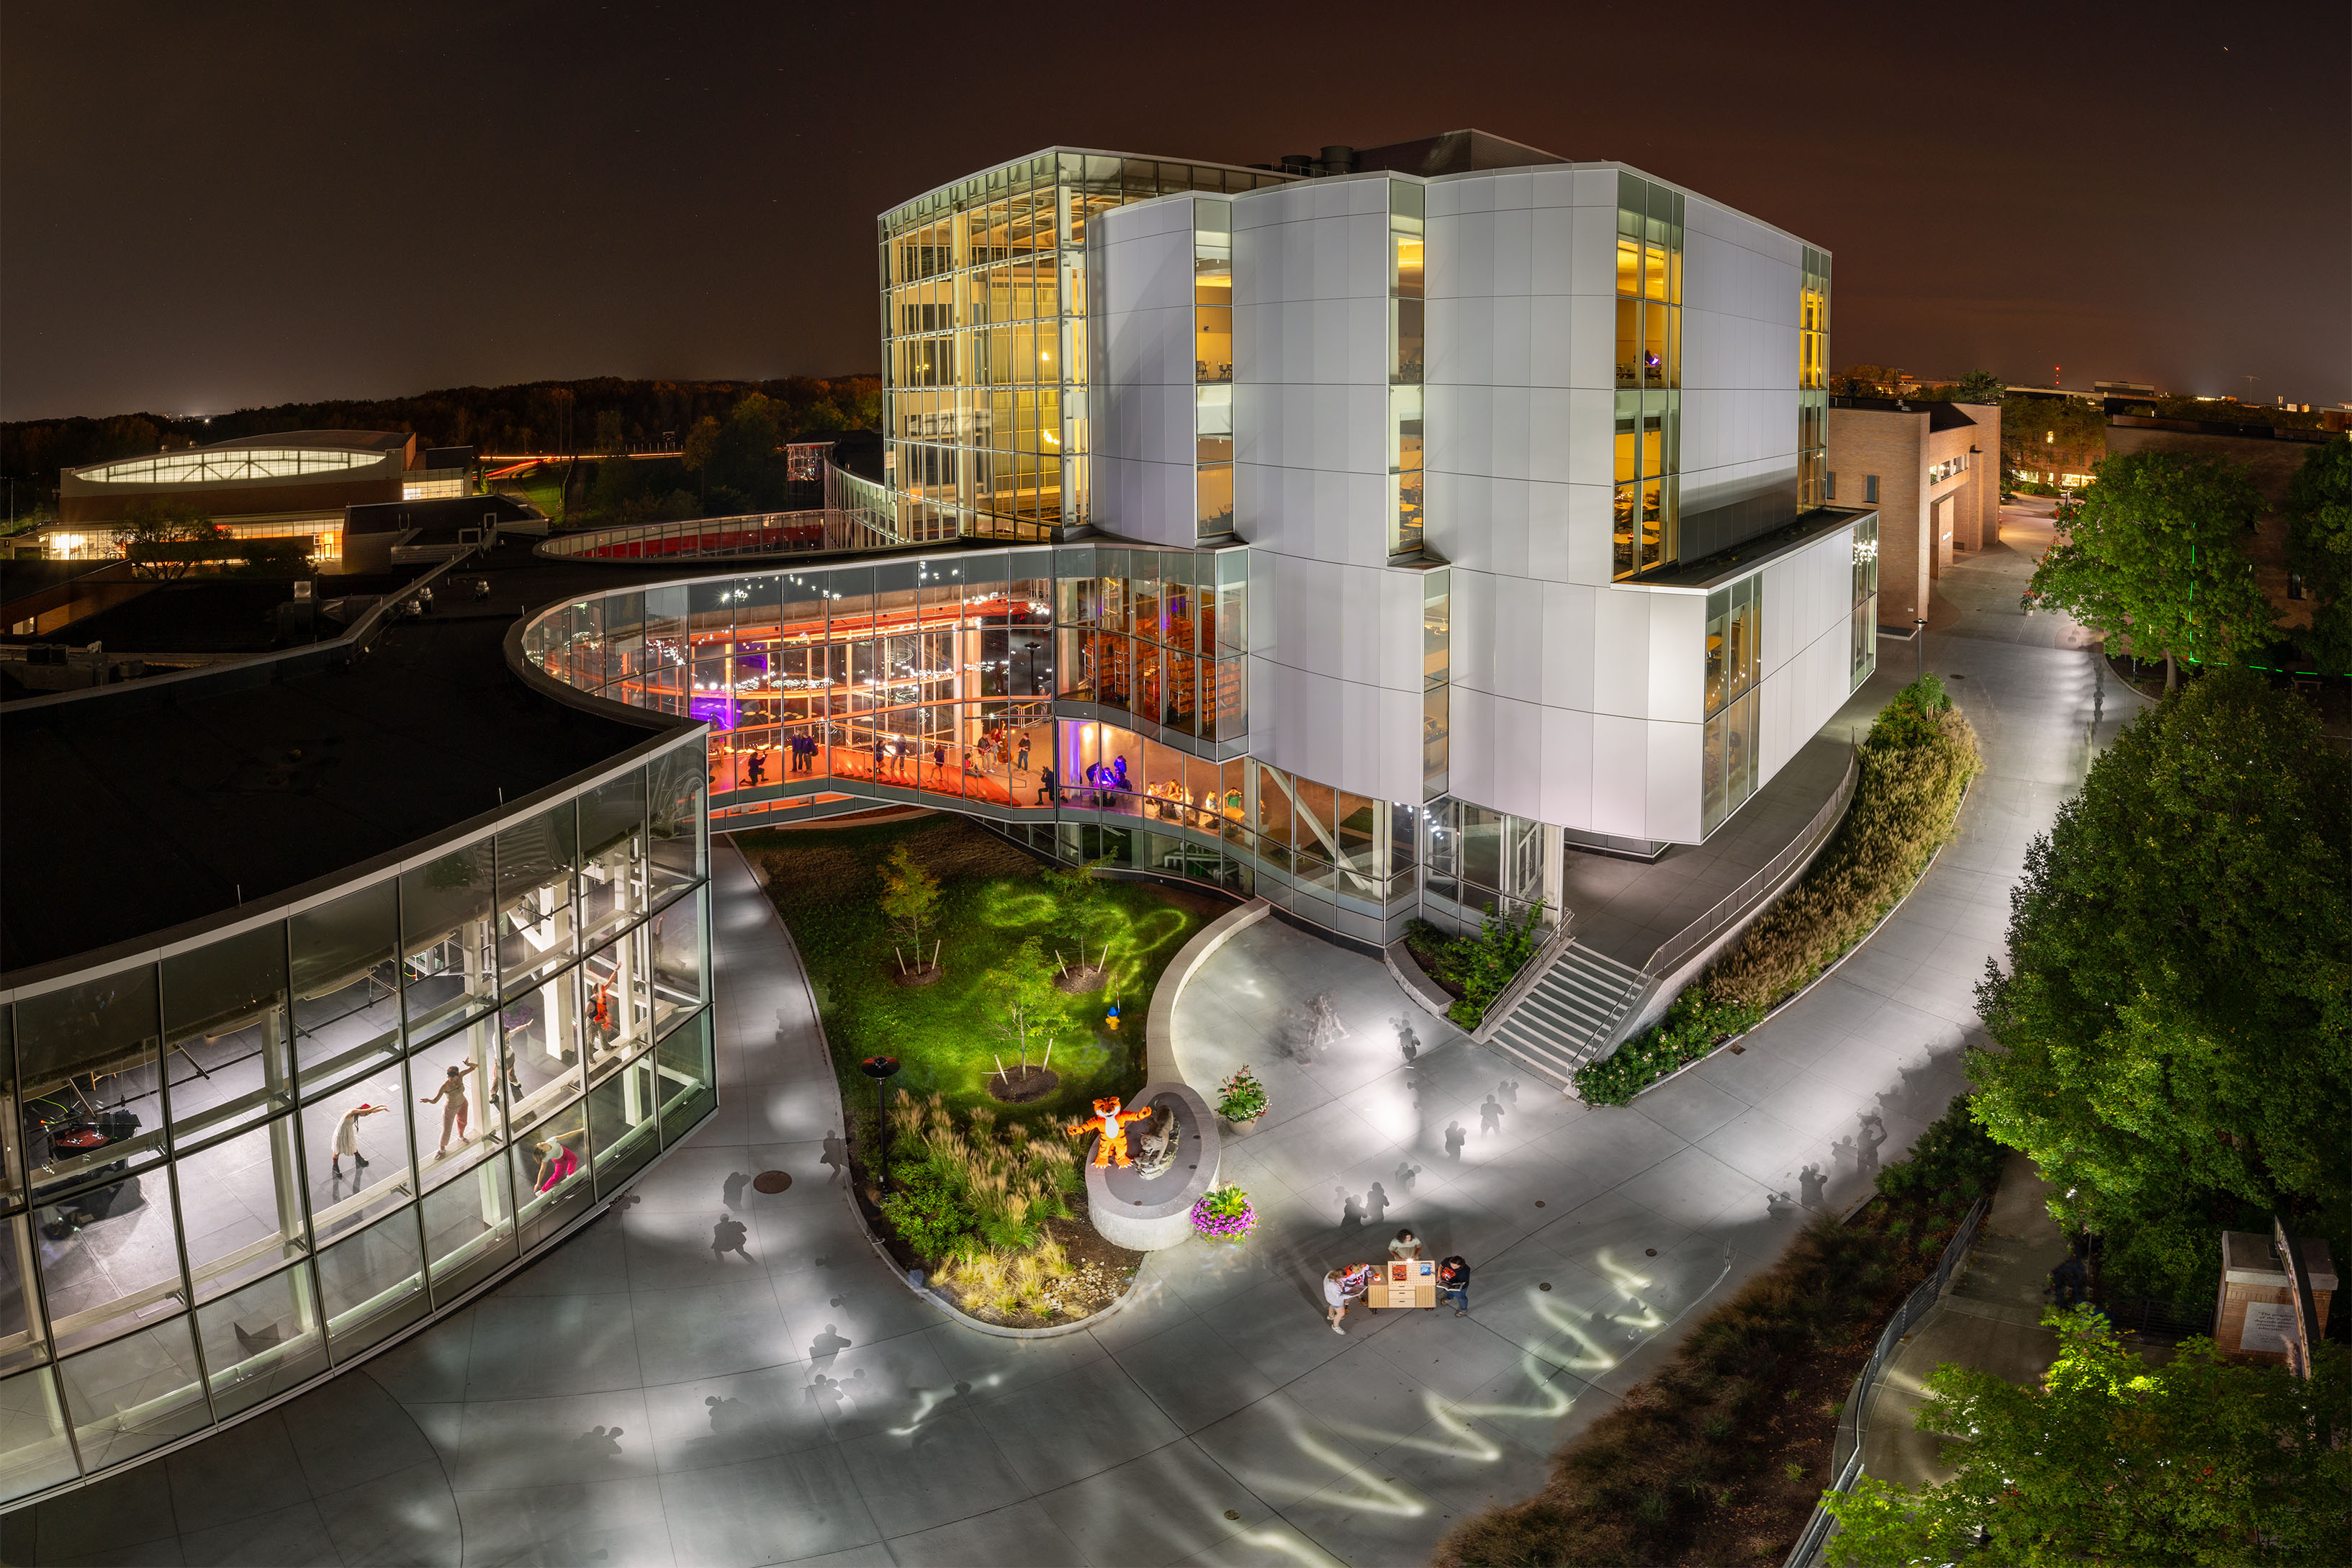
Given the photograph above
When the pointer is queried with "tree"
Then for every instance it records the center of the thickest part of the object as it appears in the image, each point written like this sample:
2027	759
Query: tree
2319	551
157	534
1026	1006
2154	556
744	462
1079	901
700	442
1866	380
2175	1031
2111	1460
1980	387
910	898
2051	434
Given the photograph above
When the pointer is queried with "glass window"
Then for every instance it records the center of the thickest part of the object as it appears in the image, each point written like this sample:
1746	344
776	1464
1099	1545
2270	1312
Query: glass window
227	1054
550	1173
371	1285
449	967
137	1394
684	1064
346	981
534	882
469	1230
674	784
457	1092
624	1124
355	1152
262	1340
241	1213
19	1311
34	1453
612	854
92	1107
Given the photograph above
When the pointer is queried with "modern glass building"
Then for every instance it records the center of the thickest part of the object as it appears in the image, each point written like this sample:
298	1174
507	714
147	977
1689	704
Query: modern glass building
1404	519
246	1152
984	337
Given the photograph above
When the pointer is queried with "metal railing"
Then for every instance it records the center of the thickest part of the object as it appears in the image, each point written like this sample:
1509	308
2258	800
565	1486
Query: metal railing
1853	1427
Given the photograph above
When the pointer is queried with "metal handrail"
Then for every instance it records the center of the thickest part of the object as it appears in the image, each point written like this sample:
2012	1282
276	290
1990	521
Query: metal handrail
1853	1427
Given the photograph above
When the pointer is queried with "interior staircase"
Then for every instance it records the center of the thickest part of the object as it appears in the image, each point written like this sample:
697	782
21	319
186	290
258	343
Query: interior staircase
1570	1014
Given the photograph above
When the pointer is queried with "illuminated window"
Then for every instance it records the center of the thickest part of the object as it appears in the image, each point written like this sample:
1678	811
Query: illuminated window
1812	380
1735	620
1407	224
1649	375
217	465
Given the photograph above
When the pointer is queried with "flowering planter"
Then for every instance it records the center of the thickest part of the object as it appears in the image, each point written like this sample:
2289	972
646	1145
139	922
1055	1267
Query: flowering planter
1223	1214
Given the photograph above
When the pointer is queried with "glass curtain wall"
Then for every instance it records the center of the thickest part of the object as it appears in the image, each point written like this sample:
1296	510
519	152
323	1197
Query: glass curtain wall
1407	336
984	350
1864	660
1735	618
233	1169
1213	366
1813	380
1482	862
1648	459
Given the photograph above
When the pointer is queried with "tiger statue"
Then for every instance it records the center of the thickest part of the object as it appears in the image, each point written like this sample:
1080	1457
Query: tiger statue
1111	1122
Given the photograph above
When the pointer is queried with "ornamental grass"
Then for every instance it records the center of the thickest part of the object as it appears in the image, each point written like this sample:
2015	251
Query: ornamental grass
1916	765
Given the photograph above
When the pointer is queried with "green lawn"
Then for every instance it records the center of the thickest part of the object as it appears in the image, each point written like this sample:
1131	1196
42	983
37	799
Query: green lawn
826	883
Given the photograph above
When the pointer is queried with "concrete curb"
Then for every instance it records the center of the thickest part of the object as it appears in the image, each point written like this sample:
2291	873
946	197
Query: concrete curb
1415	982
1160	1026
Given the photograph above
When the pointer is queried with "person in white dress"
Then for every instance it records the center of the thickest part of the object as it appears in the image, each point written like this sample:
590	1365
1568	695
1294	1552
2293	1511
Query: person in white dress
347	1134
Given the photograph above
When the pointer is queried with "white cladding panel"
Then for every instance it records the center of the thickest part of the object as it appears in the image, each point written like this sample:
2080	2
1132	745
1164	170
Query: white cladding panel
1140	402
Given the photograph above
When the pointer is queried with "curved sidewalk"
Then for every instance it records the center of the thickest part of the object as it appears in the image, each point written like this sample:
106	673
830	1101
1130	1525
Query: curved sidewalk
639	1398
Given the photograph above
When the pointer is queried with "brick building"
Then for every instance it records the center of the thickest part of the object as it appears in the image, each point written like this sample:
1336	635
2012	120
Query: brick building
1932	470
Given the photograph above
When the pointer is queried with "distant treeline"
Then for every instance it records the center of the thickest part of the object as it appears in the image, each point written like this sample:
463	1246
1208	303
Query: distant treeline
604	414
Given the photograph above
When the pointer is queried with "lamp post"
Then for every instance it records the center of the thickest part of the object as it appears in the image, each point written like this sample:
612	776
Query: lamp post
1919	635
881	1069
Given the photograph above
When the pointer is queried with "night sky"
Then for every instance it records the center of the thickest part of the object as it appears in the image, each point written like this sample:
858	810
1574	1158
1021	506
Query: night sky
205	207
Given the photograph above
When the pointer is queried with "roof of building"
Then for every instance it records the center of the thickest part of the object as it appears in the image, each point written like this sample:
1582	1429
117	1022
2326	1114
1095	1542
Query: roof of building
446	514
1941	415
23	576
146	808
1454	153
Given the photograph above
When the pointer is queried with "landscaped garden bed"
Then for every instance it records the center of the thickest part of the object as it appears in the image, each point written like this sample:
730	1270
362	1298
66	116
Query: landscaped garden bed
1916	765
1474	970
1012	996
996	1213
995	999
1722	1458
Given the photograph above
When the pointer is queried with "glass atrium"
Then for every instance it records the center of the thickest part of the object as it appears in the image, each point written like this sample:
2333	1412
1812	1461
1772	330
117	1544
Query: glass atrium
241	1162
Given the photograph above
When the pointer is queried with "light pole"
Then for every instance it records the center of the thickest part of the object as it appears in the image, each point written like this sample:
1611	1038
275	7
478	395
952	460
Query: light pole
1919	635
881	1069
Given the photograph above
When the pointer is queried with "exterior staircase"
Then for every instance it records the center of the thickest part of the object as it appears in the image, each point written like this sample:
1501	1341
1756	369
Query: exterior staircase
1570	1014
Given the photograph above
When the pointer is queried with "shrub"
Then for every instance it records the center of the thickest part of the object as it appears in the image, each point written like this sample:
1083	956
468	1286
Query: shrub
1476	969
976	1186
1916	763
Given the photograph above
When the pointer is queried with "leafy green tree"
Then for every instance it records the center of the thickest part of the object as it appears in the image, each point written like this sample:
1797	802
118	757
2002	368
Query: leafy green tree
1025	1006
911	897
2174	1036
2319	551
2049	435
1080	901
2155	555
2113	1462
1980	387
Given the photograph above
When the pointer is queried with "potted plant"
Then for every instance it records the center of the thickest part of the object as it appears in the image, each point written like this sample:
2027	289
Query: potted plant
1223	1214
1241	1098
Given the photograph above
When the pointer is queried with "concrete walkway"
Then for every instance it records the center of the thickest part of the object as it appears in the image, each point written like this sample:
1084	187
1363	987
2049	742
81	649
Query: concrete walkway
1991	1317
636	1398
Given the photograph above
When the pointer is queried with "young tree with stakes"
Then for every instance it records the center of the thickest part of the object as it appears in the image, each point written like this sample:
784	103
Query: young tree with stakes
911	902
1026	1005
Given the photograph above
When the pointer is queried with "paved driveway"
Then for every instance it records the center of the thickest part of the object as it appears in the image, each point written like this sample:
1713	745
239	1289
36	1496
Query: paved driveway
638	1398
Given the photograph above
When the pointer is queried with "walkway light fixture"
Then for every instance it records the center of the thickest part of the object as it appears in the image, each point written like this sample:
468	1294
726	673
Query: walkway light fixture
881	1069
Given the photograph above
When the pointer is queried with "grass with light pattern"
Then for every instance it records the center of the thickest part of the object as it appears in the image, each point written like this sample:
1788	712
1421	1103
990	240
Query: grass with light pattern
826	884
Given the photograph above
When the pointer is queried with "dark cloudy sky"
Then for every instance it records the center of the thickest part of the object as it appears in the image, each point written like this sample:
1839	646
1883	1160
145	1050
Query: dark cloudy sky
210	207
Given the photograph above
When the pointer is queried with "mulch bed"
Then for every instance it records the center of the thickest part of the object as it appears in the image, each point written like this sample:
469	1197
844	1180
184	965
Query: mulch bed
913	979
1078	982
1018	1086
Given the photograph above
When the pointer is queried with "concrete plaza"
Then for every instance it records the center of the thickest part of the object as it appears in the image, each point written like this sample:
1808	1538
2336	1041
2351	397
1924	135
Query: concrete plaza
642	1397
